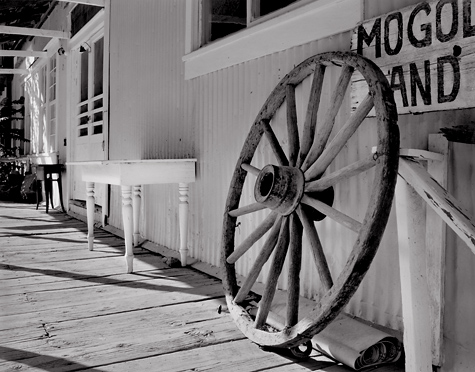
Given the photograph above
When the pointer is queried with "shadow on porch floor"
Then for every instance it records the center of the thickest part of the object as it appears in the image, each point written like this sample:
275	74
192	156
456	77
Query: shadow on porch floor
64	308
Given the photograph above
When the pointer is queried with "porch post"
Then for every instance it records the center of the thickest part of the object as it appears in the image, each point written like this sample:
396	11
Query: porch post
436	241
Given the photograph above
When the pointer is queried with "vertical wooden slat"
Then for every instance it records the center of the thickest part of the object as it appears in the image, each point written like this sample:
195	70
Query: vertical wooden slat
436	232
410	210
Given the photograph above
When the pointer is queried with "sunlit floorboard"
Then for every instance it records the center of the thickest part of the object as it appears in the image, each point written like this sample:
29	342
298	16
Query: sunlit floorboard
65	308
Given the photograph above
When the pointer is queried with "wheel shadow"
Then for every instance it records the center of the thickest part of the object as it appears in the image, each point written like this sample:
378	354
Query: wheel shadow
38	361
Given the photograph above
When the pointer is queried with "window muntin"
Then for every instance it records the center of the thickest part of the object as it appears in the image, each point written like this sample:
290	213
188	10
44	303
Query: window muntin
91	88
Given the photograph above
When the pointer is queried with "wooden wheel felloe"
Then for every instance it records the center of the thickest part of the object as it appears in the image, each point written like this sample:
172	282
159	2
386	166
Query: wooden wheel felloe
298	190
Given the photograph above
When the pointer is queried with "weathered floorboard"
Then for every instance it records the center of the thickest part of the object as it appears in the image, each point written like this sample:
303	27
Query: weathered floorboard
65	308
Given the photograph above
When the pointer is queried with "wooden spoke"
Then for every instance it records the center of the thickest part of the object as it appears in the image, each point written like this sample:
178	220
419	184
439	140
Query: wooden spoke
312	110
317	249
292	127
341	174
335	215
256	268
276	269
295	263
340	139
250	169
321	139
254	207
274	144
253	238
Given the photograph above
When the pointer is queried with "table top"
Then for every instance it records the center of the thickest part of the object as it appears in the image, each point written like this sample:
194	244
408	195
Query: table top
135	161
137	172
49	166
45	169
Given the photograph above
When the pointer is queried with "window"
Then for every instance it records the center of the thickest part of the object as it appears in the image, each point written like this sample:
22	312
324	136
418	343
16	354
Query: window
52	77
224	17
264	7
91	88
81	15
300	22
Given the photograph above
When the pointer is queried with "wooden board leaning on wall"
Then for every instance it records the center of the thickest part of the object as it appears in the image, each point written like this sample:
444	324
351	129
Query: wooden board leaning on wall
427	53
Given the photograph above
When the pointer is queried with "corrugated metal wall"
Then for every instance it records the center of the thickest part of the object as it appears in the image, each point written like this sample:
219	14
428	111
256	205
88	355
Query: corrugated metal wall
460	261
147	89
156	114
227	104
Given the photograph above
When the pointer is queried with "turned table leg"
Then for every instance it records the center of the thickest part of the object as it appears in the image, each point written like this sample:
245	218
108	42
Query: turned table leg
127	215
183	217
60	189
90	205
136	207
48	191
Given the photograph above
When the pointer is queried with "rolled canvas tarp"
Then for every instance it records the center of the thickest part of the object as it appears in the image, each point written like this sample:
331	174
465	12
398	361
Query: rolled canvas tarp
356	344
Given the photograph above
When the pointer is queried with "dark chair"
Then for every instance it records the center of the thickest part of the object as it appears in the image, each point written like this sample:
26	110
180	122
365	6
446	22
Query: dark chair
45	173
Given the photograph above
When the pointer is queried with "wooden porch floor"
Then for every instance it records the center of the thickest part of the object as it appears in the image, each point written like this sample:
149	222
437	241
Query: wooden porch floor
64	308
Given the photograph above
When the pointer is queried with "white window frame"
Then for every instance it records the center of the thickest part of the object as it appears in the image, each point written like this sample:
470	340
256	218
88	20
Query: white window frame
39	77
91	99
43	91
93	30
46	146
296	24
52	107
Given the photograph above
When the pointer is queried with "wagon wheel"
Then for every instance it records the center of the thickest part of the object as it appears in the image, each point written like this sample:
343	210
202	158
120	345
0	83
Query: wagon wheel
297	191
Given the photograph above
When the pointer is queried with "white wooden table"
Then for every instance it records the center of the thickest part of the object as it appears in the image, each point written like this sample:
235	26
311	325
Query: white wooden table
131	175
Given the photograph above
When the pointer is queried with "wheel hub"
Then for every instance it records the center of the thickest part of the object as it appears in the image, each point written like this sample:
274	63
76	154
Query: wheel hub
280	188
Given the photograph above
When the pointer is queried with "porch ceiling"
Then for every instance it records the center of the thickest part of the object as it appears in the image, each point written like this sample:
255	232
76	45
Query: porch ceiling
22	13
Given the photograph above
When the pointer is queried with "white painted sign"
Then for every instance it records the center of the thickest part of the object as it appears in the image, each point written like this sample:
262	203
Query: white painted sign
427	53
